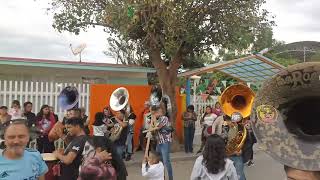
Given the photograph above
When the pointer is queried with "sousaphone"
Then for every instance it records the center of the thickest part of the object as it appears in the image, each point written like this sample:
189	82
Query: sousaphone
286	116
236	102
119	100
68	98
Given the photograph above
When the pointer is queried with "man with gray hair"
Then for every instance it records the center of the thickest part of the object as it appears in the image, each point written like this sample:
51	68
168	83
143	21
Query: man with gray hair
17	162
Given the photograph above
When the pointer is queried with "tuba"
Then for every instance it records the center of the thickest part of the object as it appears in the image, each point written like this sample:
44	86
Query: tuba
236	102
119	100
68	98
286	116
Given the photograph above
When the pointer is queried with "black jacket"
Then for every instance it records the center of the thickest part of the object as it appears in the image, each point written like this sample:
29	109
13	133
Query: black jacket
31	118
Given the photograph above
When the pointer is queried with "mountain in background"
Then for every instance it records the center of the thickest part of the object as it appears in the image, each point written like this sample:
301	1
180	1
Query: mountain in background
310	50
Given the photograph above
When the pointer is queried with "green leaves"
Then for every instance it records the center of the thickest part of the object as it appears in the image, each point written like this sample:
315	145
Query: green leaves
130	11
183	27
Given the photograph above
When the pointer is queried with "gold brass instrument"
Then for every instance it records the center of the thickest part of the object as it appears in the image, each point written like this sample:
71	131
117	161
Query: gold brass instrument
119	100
236	99
285	116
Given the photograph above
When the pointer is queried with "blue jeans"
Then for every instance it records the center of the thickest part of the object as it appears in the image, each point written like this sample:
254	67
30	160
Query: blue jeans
188	139
120	150
129	143
164	150
238	164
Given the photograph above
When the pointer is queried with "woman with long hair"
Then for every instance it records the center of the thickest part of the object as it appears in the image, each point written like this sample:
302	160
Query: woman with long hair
108	115
206	122
213	164
217	109
45	122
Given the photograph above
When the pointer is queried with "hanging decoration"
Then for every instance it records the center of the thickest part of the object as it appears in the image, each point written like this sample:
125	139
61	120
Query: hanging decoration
224	83
204	97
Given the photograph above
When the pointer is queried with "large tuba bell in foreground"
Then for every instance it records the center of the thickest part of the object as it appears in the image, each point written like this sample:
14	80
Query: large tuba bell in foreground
286	115
68	98
119	100
236	102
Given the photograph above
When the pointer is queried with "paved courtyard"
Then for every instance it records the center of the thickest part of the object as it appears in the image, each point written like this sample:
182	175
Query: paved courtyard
265	168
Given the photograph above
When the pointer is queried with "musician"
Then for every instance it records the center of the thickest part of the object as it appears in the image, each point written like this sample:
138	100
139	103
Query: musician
17	162
164	136
31	117
108	115
71	157
59	131
145	124
206	121
121	142
248	145
129	141
296	174
85	120
236	157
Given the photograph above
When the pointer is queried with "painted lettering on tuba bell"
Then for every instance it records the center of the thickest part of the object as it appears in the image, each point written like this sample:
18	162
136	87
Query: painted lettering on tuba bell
297	78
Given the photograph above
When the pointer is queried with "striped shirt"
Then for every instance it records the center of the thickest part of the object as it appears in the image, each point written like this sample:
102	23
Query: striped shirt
164	134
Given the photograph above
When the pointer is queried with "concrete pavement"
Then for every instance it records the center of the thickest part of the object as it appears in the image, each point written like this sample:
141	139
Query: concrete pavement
265	167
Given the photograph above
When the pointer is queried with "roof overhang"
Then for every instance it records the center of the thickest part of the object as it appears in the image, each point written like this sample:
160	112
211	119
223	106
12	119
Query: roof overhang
254	68
73	65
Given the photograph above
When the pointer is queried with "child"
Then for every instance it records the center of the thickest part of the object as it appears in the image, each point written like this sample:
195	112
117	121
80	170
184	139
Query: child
15	110
152	167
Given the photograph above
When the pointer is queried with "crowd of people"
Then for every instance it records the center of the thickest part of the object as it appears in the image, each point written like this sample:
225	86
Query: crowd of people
101	155
212	123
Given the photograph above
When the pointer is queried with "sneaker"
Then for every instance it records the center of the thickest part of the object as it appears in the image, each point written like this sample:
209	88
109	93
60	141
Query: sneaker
128	158
250	163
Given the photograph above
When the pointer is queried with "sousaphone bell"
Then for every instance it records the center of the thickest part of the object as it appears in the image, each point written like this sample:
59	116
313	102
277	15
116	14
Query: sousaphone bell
236	102
286	115
119	100
68	98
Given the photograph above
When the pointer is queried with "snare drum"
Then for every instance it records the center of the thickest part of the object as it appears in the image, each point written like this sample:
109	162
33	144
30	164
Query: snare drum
50	160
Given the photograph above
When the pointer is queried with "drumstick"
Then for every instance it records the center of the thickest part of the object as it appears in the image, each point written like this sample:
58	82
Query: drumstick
148	144
149	130
149	135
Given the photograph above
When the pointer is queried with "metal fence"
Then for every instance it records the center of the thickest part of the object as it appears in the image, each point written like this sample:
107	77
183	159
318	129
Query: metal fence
40	93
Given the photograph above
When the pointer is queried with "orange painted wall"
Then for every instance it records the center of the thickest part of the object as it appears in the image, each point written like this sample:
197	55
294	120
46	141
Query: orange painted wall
99	98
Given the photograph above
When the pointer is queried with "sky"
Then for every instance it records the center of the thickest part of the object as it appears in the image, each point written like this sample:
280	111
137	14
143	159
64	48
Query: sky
26	30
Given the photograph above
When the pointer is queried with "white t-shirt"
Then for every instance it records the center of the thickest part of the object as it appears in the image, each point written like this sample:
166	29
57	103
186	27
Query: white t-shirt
154	171
208	120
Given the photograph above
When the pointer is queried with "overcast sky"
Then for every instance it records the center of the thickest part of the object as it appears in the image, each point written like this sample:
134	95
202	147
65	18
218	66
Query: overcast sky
26	31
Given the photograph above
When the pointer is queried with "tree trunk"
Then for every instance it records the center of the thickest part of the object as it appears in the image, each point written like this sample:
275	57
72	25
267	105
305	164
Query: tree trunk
167	79
168	83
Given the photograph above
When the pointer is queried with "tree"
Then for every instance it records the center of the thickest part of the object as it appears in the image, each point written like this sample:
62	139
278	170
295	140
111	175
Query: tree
169	30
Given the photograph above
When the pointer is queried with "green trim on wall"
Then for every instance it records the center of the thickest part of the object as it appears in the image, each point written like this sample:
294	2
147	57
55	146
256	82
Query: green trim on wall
75	66
129	81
